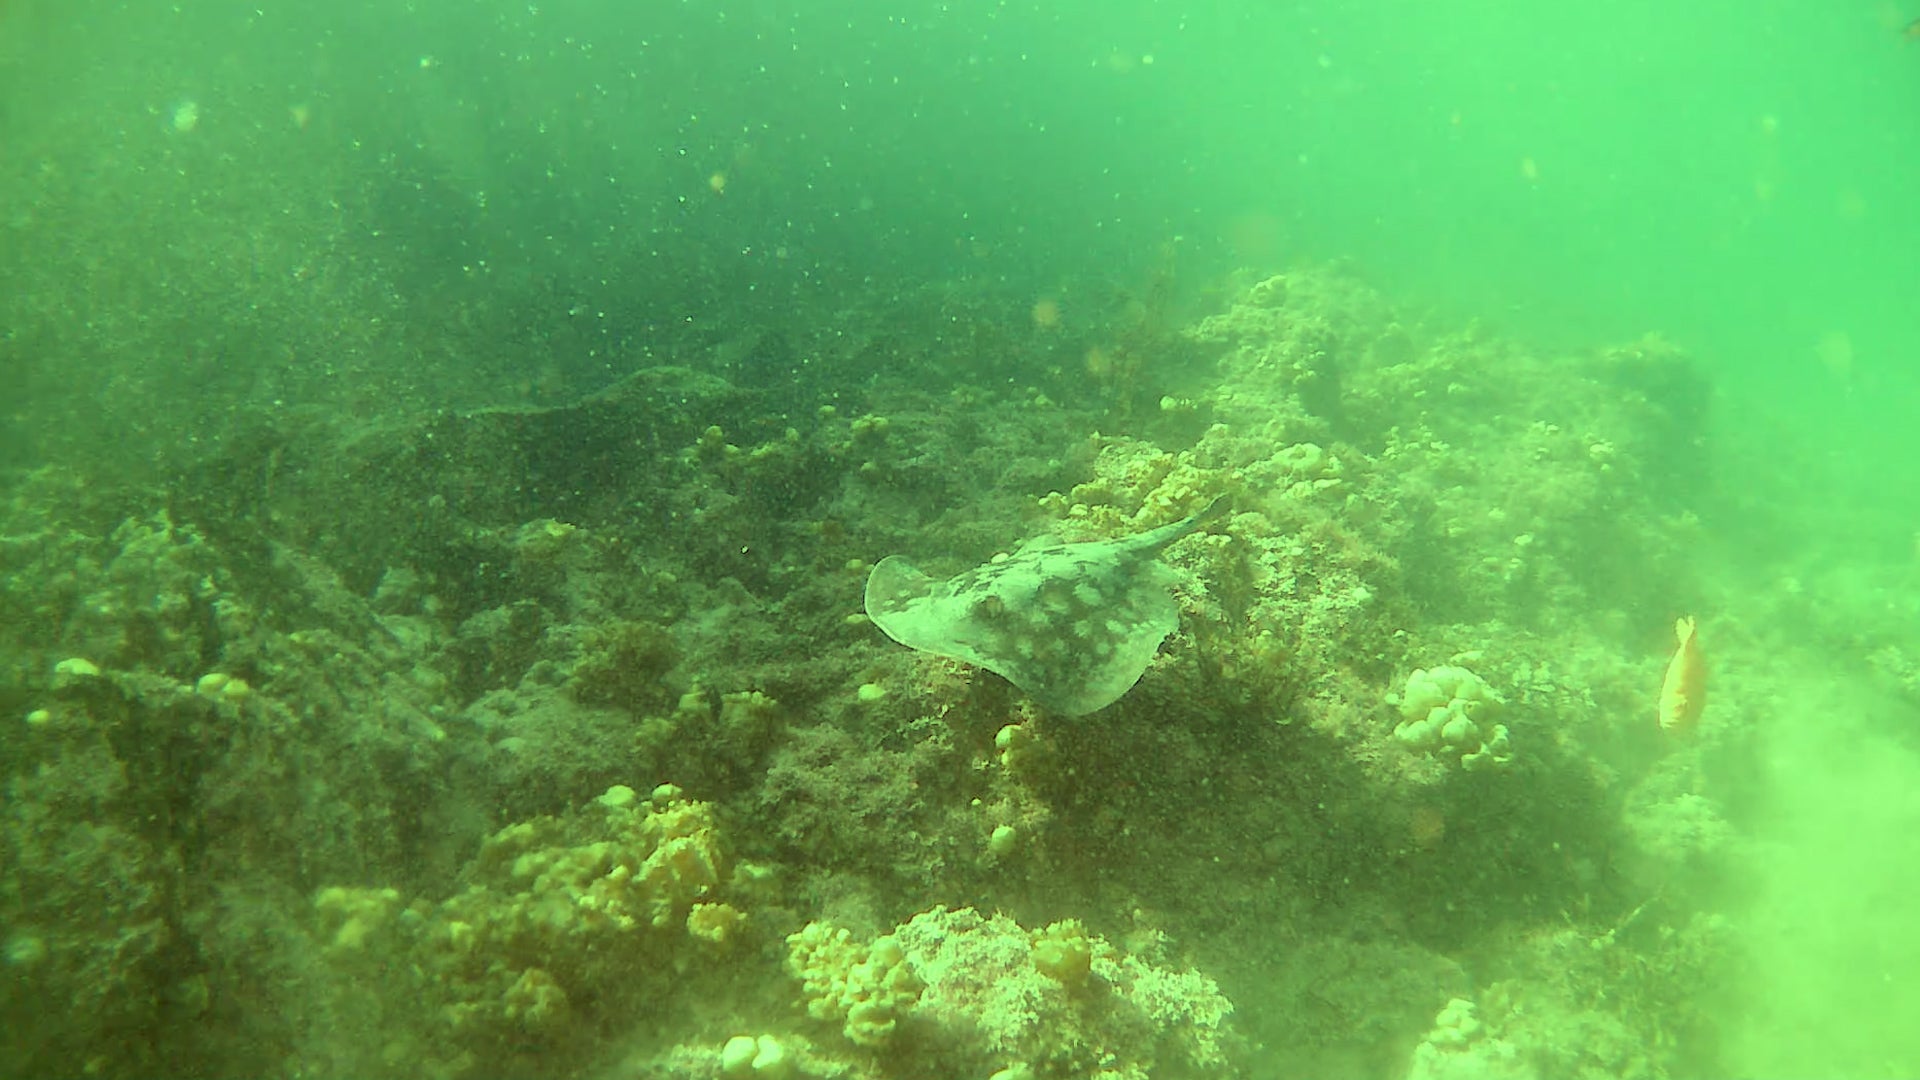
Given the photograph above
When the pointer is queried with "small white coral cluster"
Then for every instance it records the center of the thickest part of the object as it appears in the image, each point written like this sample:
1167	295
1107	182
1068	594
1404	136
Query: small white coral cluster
646	868
866	985
1460	1048
1450	711
762	1058
991	998
1304	468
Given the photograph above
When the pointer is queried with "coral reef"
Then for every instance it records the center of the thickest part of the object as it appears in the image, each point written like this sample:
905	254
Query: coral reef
341	756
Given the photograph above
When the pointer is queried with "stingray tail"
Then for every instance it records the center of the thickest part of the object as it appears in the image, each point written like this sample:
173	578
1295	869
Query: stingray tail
1192	523
1220	507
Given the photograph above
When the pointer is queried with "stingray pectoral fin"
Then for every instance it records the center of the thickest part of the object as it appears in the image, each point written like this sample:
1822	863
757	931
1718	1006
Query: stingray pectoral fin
893	585
916	610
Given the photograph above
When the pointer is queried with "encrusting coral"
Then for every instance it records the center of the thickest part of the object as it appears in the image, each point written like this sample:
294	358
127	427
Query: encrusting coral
1450	711
866	985
979	995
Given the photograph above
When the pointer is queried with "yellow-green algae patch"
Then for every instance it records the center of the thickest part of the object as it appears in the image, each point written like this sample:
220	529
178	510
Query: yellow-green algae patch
568	922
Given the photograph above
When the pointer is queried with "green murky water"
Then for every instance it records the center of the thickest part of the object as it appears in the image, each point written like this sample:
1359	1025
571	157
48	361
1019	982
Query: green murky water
443	449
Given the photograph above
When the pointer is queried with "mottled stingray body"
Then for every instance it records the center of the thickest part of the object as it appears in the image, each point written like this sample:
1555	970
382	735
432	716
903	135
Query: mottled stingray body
1072	625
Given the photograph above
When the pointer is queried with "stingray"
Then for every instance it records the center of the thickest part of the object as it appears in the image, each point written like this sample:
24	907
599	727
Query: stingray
1072	625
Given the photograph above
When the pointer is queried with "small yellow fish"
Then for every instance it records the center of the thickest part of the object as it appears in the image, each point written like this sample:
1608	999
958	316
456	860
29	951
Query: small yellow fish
1684	693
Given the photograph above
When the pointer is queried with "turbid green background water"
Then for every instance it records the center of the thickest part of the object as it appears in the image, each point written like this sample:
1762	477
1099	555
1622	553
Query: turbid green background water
1738	177
1730	175
211	203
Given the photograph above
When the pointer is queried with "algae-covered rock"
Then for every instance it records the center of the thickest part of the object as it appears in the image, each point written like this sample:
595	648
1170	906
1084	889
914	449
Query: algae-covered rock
567	921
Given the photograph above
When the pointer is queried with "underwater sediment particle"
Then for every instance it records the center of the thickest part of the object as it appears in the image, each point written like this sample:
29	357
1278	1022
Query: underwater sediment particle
1072	625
